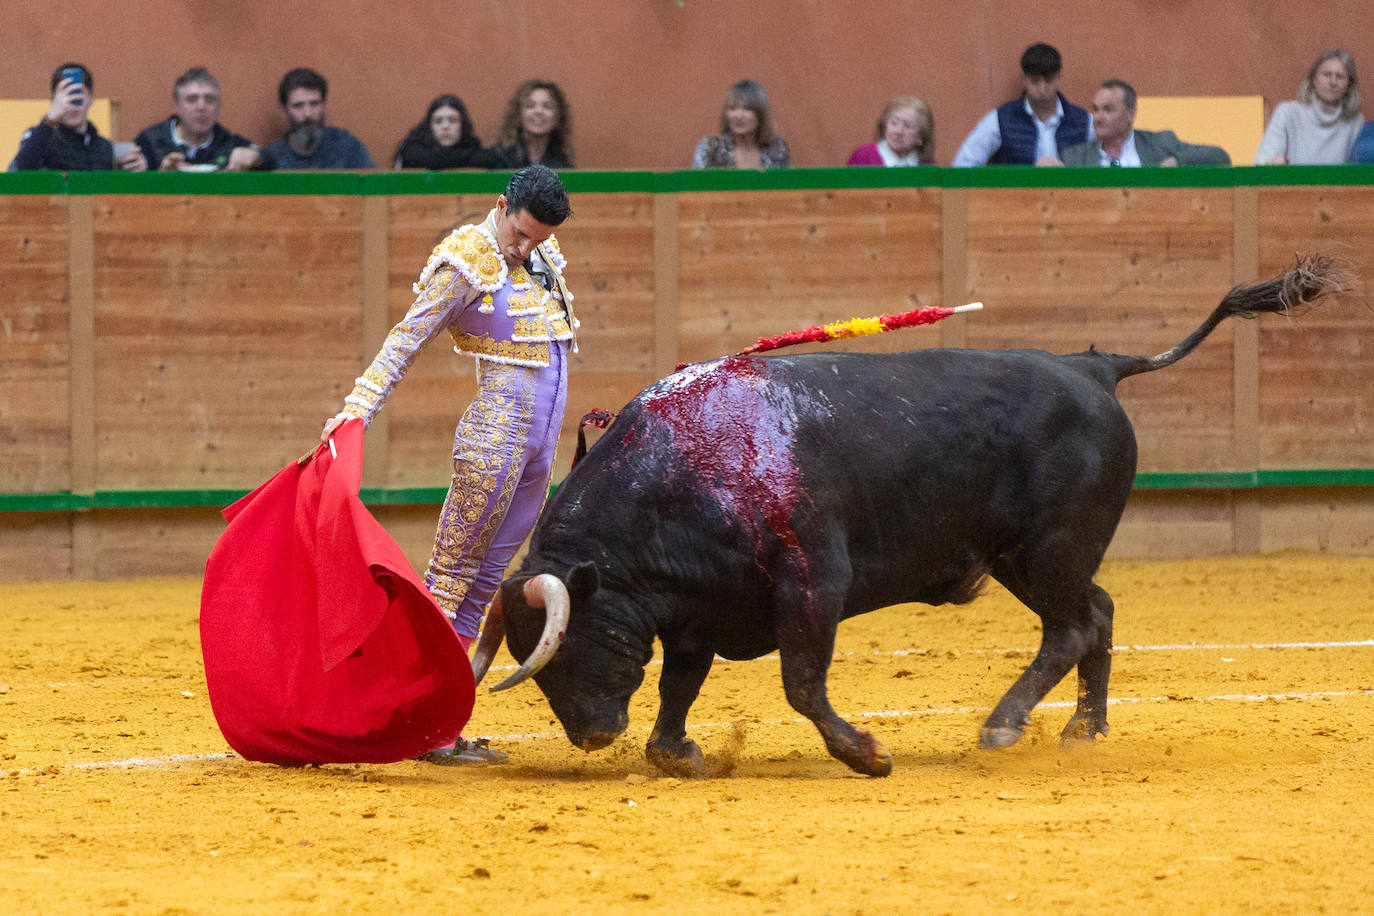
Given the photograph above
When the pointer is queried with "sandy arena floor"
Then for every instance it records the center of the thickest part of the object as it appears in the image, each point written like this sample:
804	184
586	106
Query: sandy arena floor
1236	777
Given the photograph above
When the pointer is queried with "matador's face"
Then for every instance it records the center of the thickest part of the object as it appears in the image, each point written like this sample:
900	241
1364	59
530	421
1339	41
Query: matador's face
517	232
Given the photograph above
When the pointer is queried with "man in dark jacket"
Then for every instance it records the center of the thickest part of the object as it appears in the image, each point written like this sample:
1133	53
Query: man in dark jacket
309	143
192	139
65	140
1037	125
1118	143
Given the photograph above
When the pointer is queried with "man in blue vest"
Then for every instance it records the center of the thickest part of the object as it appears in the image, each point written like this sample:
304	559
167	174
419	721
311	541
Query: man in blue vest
1035	126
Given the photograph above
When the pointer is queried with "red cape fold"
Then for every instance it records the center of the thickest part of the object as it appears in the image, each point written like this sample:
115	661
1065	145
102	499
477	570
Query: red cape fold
321	643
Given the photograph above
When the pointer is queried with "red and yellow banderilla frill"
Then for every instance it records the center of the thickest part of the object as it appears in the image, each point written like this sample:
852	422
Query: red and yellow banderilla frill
859	327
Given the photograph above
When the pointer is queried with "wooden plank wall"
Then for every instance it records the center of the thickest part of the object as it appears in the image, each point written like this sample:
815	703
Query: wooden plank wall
226	328
35	372
1316	372
35	357
1130	270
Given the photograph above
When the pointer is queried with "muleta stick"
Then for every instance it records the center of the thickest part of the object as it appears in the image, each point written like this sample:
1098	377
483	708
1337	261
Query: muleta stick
860	327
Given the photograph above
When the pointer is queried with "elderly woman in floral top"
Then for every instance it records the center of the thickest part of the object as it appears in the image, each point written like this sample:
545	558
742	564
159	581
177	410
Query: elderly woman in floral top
746	139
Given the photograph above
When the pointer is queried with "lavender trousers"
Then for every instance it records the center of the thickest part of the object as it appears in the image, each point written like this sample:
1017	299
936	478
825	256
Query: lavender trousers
503	453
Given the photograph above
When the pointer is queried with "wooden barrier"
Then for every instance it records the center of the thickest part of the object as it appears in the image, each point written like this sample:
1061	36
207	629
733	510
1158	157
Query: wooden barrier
173	340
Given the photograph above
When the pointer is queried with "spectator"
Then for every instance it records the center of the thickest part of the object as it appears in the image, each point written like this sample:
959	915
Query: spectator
1321	126
1364	145
905	136
65	140
1119	143
309	143
1039	124
445	139
536	129
192	139
746	139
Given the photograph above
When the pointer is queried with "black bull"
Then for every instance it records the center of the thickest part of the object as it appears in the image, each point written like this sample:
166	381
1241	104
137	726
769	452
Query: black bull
750	504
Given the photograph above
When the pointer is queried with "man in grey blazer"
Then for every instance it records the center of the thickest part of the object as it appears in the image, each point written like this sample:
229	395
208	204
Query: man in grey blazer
1118	143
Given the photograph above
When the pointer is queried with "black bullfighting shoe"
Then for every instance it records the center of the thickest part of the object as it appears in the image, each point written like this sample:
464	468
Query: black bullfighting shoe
466	753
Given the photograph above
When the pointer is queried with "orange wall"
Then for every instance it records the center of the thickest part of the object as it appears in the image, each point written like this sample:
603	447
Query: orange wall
646	78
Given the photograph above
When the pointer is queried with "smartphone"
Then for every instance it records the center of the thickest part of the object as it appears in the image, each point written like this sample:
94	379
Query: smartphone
75	74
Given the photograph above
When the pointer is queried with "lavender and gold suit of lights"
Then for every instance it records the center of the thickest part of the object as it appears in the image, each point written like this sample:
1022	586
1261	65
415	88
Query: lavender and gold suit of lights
520	328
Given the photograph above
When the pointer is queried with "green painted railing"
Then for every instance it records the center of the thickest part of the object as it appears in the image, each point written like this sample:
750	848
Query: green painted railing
421	496
397	183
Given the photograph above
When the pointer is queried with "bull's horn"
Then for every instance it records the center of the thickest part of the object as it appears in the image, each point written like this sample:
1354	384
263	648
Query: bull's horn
493	631
551	594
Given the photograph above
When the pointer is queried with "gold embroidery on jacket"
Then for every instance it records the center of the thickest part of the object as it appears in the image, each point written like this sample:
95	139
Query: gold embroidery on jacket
522	353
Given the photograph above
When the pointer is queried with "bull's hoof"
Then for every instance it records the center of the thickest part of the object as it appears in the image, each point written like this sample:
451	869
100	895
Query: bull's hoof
868	756
683	760
996	738
1082	730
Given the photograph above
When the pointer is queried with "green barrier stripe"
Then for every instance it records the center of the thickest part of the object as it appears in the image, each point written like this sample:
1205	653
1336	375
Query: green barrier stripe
43	502
1195	480
381	184
402	496
424	496
705	180
315	184
1300	477
32	183
397	183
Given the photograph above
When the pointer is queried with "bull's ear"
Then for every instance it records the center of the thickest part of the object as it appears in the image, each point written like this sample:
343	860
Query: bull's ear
583	581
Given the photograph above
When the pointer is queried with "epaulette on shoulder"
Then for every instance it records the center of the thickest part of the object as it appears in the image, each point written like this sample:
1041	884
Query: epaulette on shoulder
471	251
550	247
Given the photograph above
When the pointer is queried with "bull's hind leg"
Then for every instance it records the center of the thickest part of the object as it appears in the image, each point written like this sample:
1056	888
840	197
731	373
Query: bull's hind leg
1075	616
669	748
1094	671
806	623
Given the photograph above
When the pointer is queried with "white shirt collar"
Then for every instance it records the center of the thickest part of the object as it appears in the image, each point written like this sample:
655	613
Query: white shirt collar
890	158
1129	158
190	150
1055	118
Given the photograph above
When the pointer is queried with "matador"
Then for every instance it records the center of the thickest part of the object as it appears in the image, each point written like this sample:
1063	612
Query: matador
497	287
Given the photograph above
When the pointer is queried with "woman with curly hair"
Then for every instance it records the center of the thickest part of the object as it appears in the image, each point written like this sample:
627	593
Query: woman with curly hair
536	130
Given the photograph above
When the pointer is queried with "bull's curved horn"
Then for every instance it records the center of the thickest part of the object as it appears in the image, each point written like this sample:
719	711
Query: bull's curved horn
551	594
493	631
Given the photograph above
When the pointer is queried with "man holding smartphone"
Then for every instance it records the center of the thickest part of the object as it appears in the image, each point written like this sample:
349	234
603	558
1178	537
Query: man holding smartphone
65	140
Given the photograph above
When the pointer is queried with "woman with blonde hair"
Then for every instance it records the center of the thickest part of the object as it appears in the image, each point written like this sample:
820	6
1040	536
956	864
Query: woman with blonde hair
746	139
905	136
1321	126
536	129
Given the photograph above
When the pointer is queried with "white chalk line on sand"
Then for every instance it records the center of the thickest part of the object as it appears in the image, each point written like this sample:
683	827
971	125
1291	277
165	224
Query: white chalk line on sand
896	653
136	762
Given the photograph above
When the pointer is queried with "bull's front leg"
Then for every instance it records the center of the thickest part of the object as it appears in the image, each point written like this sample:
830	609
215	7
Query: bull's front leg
669	748
806	643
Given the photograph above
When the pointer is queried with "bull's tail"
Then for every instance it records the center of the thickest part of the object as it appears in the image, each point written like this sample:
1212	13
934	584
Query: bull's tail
1313	277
